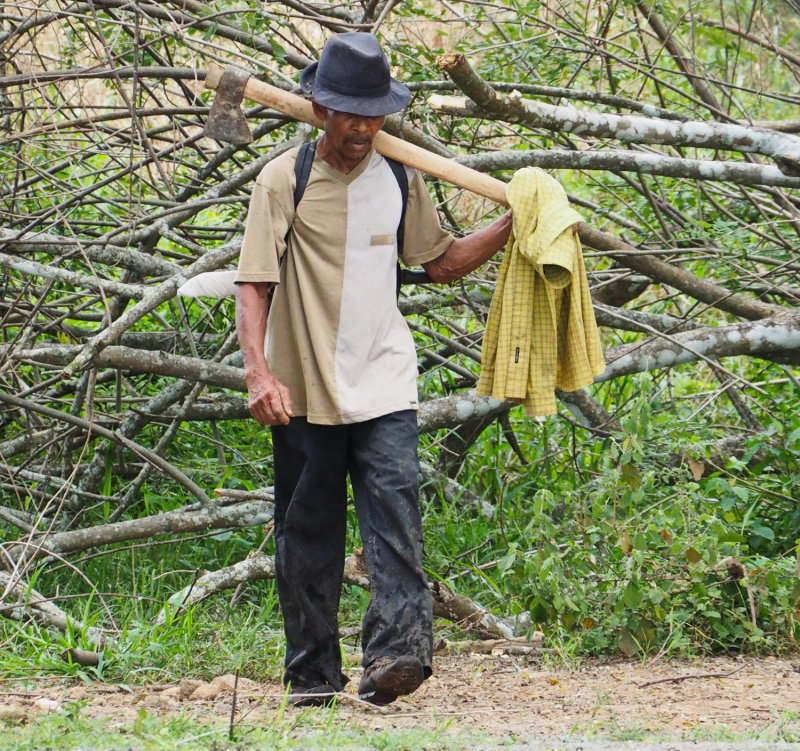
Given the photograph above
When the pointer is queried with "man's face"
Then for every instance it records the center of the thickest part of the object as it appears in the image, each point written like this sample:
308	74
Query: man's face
349	136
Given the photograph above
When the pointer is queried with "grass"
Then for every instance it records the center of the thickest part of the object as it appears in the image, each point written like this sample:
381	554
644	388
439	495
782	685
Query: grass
782	727
73	730
207	641
70	730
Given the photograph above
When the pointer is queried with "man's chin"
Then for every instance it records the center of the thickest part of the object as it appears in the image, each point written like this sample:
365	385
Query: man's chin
360	148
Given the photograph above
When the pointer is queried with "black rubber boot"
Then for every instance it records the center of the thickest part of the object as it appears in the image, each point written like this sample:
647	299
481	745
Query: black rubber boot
387	678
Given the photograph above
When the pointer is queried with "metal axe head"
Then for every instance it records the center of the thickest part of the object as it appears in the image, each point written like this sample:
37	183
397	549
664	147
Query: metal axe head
226	121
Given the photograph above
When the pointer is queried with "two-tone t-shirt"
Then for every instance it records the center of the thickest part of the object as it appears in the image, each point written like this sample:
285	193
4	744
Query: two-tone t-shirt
335	337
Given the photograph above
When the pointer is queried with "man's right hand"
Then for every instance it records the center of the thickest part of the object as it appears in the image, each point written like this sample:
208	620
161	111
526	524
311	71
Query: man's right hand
268	400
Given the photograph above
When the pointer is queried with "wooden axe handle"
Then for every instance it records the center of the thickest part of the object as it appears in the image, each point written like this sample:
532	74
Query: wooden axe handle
386	144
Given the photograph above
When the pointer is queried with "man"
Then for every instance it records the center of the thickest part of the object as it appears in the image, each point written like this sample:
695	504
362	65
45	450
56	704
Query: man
337	383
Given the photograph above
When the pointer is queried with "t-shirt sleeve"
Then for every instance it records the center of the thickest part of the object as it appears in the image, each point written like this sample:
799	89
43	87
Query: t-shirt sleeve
265	231
424	239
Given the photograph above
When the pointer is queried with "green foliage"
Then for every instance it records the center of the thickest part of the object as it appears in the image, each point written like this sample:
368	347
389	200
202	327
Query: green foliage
628	551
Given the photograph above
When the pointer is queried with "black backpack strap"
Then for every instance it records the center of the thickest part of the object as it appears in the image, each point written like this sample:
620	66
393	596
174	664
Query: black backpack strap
404	276
400	174
302	169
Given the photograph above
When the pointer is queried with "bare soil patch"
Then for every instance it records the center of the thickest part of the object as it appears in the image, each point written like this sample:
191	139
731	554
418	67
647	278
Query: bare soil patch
495	695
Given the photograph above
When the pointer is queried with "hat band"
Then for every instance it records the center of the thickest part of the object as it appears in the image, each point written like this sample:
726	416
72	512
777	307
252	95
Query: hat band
358	92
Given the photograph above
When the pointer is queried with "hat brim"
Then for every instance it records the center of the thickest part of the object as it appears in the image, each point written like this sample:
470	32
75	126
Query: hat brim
394	101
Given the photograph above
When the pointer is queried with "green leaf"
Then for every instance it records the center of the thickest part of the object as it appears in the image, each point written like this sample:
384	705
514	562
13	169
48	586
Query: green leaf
693	555
627	644
108	469
762	531
507	561
541	500
631	476
277	50
632	595
731	536
539	612
742	493
795	597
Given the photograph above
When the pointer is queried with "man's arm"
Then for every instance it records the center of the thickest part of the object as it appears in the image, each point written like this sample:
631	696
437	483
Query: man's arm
466	254
268	399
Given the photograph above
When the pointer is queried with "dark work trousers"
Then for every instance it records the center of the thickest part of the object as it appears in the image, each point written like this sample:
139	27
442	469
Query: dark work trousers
311	467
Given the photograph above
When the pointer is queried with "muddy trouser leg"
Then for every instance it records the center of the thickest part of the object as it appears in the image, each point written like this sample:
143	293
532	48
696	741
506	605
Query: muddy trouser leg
310	526
383	470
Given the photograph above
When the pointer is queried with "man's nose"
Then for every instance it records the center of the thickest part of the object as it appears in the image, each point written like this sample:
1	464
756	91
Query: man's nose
365	122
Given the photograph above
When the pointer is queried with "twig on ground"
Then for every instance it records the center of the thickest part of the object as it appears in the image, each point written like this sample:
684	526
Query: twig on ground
231	724
677	678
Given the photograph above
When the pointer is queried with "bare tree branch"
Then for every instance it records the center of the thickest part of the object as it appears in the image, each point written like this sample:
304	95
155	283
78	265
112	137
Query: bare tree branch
634	161
248	514
90	427
631	129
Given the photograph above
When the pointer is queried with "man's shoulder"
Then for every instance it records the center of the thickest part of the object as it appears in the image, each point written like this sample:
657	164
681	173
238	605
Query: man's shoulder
278	173
377	158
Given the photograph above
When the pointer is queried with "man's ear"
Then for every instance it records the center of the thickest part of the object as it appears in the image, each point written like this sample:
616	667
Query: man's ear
320	111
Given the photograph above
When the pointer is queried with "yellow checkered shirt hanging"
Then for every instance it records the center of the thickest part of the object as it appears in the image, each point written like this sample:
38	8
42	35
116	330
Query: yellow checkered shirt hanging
541	332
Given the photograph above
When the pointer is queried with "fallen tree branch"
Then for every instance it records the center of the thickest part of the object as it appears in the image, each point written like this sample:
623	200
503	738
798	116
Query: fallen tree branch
142	361
45	271
177	214
446	603
697	78
589	412
28	600
248	514
640	162
490	104
517	647
467	614
559	92
637	320
455	492
179	13
123	72
109	255
450	411
777	335
703	290
25	443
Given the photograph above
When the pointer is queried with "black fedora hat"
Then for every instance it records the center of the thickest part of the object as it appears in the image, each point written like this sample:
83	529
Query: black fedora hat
352	75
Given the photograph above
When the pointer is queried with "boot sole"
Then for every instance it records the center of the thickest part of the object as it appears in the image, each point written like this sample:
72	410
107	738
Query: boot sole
404	676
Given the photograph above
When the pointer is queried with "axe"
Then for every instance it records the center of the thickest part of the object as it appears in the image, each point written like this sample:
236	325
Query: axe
226	122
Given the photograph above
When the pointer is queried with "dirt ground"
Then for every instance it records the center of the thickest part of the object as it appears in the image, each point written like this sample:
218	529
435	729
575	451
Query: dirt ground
495	695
